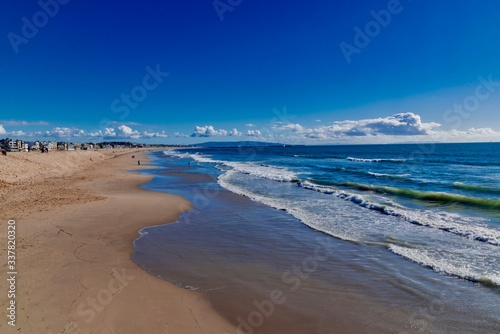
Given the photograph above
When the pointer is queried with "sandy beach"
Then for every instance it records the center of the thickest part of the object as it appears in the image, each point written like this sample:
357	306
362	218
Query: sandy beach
77	214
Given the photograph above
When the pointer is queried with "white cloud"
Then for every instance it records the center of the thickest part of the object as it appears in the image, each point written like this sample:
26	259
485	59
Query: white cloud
2	130
146	134
234	132
292	127
127	132
467	135
403	124
109	132
124	123
23	123
64	133
17	134
209	131
121	132
253	133
179	135
250	125
403	127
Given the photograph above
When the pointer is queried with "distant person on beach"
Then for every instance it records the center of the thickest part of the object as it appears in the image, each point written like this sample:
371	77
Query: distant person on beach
4	152
139	162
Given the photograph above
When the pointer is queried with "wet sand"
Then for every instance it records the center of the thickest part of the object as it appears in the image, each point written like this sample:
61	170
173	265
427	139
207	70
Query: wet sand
77	215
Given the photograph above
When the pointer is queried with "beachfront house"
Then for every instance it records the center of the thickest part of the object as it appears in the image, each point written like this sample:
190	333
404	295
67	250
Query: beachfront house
62	146
49	145
35	146
12	145
88	146
19	144
52	146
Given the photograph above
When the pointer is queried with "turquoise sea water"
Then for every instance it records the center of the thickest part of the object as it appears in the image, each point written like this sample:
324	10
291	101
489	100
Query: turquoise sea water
413	233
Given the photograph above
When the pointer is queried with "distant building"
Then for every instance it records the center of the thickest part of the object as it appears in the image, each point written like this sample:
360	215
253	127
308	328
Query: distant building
88	146
62	146
35	146
52	146
19	144
12	145
48	145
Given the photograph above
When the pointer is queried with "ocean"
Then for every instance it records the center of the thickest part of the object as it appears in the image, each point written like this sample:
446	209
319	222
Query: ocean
370	238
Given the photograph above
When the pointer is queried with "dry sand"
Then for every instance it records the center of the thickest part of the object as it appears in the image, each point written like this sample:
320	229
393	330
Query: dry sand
76	219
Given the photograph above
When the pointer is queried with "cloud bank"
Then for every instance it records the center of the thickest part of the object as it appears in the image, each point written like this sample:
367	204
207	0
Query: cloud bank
403	124
209	131
121	132
398	127
401	127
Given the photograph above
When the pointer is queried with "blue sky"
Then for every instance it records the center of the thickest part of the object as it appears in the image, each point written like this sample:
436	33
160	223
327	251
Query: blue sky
191	71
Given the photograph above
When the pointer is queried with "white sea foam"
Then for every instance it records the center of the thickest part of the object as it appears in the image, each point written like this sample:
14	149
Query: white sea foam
260	170
308	218
374	160
264	171
468	227
357	199
452	263
186	155
394	176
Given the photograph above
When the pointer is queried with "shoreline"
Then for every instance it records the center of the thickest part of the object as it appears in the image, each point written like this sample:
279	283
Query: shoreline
75	272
